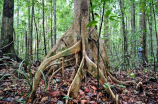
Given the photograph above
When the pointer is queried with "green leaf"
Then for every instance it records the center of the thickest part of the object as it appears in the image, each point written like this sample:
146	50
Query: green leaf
104	0
5	76
66	97
44	79
91	23
1	98
122	86
112	18
107	13
25	75
132	75
20	100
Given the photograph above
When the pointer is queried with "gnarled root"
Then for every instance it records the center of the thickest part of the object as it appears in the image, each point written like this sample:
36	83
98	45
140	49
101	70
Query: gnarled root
89	60
76	83
72	50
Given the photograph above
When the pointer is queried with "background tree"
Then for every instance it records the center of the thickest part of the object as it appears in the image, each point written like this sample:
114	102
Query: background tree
7	42
45	46
143	27
54	22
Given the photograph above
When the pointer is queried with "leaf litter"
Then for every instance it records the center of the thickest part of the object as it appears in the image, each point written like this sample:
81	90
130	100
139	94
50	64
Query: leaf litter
15	89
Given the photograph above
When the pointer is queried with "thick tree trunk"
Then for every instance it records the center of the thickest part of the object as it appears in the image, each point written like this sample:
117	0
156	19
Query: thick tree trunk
79	43
7	42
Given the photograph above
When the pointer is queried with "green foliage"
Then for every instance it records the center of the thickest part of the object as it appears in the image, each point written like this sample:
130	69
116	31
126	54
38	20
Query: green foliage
121	86
145	70
66	97
107	13
93	23
44	79
106	85
5	76
132	75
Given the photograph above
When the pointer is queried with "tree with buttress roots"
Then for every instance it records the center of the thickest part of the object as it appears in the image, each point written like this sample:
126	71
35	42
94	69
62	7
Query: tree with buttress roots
78	46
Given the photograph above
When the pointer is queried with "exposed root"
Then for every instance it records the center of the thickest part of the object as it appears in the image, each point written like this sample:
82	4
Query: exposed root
119	82
76	66
117	99
72	50
62	66
53	68
85	49
76	83
92	69
54	73
54	65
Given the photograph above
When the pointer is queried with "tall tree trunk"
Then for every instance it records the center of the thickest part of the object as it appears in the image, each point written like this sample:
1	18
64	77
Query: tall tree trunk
29	29
150	28
7	42
133	27
45	47
31	35
51	25
106	34
37	38
155	29
26	52
54	22
143	29
79	45
17	37
124	31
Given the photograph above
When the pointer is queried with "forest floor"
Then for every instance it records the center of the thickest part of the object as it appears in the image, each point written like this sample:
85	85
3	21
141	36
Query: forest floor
14	88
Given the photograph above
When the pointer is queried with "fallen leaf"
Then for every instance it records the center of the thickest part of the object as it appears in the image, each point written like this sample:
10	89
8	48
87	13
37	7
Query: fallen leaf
44	98
86	89
104	99
54	93
92	102
84	101
125	102
60	102
81	93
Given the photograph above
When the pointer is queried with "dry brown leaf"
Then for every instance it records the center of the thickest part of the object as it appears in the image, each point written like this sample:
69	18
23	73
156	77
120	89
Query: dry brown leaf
54	93
86	89
44	98
84	101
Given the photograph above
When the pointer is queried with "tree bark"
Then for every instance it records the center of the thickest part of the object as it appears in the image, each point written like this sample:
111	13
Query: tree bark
51	26
31	35
29	29
79	43
17	37
124	32
45	46
37	39
155	30
150	28
133	27
54	22
7	42
143	29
